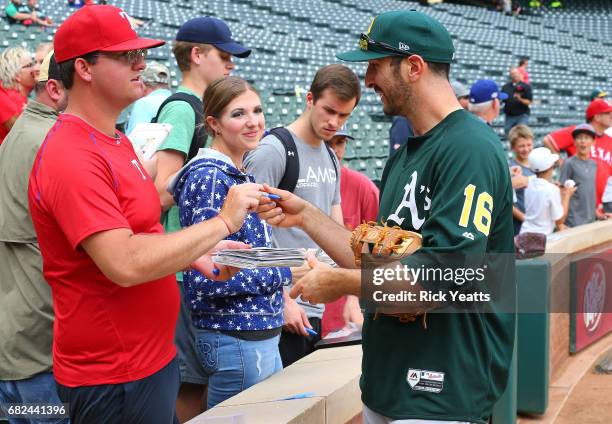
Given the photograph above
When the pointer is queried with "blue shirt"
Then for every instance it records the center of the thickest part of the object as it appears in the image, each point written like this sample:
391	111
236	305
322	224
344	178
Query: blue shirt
399	132
520	194
146	108
253	298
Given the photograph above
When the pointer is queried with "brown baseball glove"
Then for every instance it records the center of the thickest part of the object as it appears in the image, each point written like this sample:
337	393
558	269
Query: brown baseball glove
392	242
389	242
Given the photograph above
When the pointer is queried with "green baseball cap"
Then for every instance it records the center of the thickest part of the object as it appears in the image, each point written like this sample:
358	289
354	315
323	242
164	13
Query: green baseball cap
403	33
598	94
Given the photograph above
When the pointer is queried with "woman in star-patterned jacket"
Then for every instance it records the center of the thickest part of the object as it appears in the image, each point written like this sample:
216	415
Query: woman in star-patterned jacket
237	322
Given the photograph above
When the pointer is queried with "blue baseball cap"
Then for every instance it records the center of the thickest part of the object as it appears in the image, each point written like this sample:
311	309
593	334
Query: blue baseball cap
584	128
484	90
343	132
208	30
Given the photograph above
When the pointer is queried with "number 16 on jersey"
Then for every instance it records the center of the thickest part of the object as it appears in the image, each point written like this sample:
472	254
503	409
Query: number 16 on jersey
484	209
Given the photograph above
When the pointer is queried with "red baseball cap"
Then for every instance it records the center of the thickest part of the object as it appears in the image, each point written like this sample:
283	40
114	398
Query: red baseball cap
598	106
98	28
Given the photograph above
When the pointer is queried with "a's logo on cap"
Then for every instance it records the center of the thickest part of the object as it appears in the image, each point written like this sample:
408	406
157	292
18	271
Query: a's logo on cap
125	16
363	44
403	46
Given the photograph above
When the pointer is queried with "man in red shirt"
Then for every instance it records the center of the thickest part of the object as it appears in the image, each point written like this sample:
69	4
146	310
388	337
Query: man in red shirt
96	214
599	115
359	194
522	68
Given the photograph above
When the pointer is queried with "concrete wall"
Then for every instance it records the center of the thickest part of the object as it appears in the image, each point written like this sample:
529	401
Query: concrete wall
332	375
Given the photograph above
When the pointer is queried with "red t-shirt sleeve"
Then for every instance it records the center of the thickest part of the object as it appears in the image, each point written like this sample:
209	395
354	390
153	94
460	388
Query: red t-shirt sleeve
7	108
370	202
83	197
562	139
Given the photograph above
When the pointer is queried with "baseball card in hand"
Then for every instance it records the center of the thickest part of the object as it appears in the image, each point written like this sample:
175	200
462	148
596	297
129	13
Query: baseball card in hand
266	257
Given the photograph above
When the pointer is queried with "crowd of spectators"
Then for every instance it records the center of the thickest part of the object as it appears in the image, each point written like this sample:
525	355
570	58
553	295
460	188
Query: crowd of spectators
27	13
551	193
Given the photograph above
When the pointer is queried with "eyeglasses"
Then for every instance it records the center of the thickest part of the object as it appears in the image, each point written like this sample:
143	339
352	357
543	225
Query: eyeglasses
365	42
29	65
130	57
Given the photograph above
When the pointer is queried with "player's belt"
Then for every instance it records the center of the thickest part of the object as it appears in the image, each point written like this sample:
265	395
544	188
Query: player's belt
405	317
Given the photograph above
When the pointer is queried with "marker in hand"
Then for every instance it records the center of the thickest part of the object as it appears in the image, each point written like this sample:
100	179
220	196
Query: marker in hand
311	331
271	196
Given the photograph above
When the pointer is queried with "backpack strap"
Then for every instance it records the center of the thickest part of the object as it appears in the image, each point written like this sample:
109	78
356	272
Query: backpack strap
292	166
333	158
199	134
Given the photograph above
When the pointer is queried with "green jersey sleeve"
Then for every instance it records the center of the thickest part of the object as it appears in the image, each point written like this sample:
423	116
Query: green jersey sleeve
471	199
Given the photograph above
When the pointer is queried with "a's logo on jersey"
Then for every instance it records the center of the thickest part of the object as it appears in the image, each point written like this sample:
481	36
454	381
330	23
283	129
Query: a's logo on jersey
409	202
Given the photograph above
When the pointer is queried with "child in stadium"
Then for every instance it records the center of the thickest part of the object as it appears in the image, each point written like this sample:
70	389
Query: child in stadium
546	205
580	170
521	143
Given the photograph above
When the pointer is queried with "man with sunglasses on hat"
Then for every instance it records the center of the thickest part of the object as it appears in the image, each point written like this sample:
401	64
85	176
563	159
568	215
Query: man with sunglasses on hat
156	80
451	184
96	215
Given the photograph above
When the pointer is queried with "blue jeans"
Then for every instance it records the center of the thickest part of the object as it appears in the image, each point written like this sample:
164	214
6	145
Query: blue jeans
512	121
38	389
233	364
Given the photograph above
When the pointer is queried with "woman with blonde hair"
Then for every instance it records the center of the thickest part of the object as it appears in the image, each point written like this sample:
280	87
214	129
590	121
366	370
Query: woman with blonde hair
18	76
238	322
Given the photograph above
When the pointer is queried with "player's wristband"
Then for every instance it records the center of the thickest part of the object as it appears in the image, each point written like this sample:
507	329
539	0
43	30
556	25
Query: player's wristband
224	220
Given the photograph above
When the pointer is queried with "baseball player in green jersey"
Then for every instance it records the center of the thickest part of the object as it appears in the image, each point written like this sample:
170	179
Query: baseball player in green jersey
450	182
